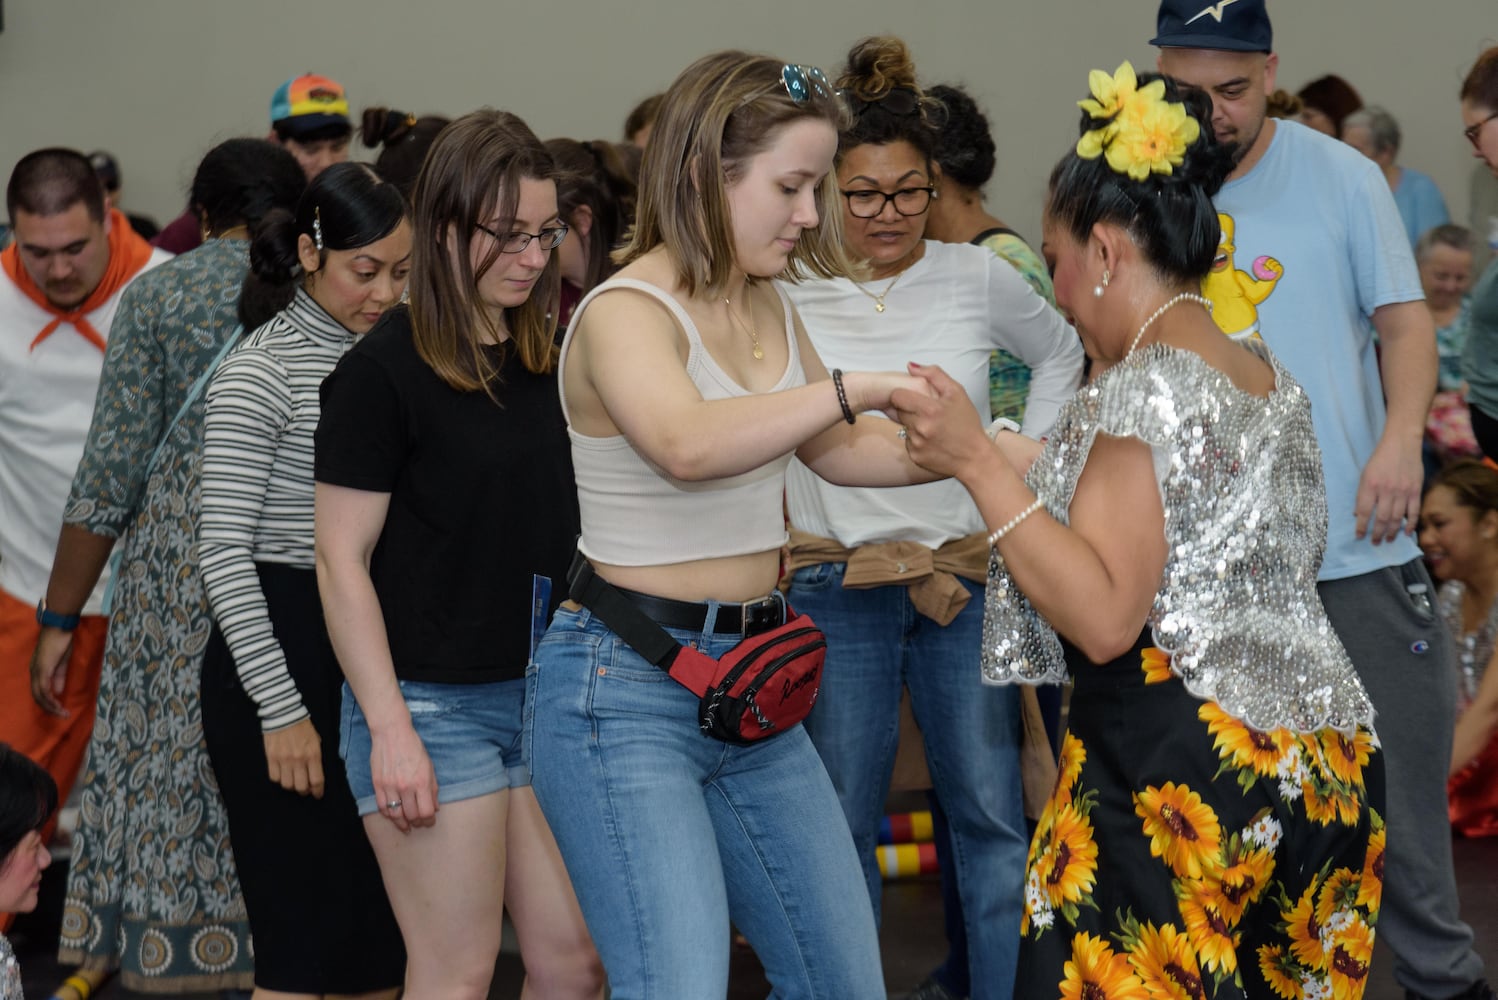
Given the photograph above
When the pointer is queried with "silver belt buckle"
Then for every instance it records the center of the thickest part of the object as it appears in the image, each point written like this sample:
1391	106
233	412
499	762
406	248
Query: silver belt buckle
761	615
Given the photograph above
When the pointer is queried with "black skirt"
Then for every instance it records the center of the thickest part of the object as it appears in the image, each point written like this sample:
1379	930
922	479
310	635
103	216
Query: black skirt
1185	854
318	913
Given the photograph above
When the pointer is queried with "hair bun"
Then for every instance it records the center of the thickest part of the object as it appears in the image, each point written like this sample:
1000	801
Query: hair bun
273	248
384	126
877	66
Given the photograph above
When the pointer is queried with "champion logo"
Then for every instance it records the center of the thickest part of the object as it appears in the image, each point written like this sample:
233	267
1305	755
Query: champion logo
1215	10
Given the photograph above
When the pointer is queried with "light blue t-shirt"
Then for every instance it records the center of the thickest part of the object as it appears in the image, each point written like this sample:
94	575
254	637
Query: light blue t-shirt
1324	213
1420	203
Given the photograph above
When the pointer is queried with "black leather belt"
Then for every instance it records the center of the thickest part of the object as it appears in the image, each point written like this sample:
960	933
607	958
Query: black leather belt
746	618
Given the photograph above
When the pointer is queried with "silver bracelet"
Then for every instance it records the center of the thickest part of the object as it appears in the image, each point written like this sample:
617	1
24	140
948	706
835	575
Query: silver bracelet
1001	424
1014	522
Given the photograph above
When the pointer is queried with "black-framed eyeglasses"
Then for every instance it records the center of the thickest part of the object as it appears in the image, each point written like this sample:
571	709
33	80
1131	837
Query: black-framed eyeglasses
898	101
1473	131
550	238
908	201
804	82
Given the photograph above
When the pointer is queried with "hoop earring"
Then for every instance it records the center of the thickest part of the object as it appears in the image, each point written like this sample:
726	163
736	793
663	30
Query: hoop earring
1097	290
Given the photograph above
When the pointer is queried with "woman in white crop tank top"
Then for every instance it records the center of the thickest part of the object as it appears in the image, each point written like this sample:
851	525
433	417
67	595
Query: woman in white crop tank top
687	383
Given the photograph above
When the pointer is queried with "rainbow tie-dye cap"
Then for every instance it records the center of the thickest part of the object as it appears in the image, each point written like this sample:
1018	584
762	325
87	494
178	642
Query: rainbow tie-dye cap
308	102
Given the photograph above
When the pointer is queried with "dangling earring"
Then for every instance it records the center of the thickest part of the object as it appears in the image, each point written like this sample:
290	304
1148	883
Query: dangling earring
1097	290
317	228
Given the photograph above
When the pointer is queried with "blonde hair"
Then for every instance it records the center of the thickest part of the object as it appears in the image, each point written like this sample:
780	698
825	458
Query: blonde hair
472	174
718	114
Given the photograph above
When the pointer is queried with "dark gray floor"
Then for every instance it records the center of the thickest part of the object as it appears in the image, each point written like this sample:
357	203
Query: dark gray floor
912	937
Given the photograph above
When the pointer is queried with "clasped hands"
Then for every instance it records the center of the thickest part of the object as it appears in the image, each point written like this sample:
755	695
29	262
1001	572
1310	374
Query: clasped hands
944	433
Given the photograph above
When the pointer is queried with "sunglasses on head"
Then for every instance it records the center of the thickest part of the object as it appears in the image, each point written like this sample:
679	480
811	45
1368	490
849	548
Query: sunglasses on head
804	82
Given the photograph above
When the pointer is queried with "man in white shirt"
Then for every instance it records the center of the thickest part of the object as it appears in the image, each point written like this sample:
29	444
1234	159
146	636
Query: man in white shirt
63	273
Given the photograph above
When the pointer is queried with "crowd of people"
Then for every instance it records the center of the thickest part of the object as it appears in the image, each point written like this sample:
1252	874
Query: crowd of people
553	529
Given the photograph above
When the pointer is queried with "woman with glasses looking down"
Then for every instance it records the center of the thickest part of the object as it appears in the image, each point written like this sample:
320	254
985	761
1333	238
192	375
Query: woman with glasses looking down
443	488
895	577
687	383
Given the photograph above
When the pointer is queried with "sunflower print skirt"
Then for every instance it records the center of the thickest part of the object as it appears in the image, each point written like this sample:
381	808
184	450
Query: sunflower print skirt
1186	856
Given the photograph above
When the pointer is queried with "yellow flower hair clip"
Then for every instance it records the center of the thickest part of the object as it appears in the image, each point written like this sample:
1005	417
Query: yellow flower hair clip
1143	133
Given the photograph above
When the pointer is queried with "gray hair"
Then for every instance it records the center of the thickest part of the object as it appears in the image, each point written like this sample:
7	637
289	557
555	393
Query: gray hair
1380	124
1446	235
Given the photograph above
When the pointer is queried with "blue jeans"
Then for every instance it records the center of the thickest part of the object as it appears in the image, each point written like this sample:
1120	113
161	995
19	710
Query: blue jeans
878	643
667	833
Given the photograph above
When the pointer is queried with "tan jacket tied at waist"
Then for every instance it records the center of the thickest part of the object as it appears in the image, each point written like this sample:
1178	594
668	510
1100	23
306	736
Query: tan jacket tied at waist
931	574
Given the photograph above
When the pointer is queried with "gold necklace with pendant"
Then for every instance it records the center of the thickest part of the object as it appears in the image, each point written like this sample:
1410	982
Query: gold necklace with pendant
879	299
759	352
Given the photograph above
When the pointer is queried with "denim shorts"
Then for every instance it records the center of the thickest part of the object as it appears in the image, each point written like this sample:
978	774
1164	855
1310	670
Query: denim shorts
471	733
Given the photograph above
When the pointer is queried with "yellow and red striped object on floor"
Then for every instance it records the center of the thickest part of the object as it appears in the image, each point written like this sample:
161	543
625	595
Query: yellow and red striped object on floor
905	860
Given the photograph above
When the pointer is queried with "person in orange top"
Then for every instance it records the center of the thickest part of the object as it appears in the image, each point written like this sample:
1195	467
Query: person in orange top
62	279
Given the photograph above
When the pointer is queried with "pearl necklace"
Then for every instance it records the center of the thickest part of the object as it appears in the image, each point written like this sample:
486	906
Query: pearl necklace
1171	303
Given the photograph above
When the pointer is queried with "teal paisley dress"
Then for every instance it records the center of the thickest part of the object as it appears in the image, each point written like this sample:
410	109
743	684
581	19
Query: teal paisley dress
152	889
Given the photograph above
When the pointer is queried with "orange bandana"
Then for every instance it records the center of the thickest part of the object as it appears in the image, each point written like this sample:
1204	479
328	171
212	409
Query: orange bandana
128	253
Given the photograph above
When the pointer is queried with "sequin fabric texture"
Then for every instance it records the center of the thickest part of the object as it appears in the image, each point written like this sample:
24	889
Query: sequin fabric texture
1245	519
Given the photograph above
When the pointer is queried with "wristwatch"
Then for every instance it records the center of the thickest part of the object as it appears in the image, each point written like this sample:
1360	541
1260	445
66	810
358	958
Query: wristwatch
51	619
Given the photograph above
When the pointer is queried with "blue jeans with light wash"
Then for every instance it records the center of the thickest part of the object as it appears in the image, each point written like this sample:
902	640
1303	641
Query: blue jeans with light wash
668	834
877	644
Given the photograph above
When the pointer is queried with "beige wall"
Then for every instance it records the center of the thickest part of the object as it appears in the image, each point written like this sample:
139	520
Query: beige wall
159	81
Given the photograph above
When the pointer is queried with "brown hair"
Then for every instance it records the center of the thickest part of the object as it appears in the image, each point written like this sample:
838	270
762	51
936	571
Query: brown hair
880	70
1333	97
719	113
594	174
1481	84
1474	484
641	116
472	174
1283	104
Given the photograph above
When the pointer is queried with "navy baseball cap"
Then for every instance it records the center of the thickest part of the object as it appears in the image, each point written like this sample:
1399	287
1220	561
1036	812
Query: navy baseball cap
1233	25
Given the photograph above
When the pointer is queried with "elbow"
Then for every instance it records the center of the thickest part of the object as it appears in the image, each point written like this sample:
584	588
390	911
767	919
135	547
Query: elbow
1103	642
686	460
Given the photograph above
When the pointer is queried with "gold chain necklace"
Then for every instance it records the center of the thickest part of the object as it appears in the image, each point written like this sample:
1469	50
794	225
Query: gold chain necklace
759	352
879	299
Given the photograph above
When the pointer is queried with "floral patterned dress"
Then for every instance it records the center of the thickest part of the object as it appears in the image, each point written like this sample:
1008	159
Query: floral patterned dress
152	888
1214	831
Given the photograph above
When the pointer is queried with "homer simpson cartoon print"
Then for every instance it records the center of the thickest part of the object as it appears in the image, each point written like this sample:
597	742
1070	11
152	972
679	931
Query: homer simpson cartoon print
1235	295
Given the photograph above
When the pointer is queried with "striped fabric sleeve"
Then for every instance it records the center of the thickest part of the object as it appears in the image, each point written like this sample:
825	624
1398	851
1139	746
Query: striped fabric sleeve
248	406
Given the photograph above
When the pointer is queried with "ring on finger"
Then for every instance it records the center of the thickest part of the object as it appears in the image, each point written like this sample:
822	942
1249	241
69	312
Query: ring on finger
902	434
393	804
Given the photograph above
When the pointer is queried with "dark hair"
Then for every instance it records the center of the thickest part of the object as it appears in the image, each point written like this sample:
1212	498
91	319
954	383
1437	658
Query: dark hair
1472	482
287	128
345	207
108	169
51	181
405	139
593	174
888	106
1333	97
1170	217
1481	84
471	176
240	180
642	115
1283	104
964	144
28	797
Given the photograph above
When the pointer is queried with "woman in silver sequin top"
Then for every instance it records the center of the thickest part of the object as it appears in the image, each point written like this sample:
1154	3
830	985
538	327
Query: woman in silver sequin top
1216	812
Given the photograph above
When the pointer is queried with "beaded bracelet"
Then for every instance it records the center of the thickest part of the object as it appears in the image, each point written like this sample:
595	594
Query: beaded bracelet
842	395
999	533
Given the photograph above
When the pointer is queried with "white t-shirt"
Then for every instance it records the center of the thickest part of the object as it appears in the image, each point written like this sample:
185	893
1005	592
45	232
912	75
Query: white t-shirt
46	404
951	308
1324	212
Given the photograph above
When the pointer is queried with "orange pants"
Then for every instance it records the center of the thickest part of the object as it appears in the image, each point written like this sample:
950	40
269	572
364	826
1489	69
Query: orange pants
56	744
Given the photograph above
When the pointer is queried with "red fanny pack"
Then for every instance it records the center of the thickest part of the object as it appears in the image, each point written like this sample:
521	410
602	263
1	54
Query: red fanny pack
762	687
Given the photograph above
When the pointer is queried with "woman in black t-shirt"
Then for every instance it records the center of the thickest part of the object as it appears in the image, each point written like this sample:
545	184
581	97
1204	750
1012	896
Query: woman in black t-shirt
444	489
